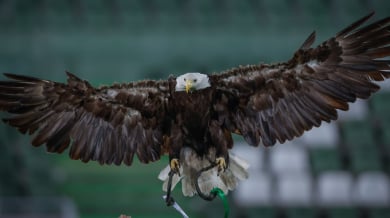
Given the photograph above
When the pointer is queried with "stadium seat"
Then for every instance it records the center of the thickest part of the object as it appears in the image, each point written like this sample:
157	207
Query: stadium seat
132	14
293	189
327	135
334	189
288	158
380	106
243	13
42	207
301	212
255	191
166	6
315	14
263	212
380	212
241	7
385	136
325	159
379	6
277	12
27	14
364	158
59	15
98	13
168	14
385	86
357	111
357	133
205	13
253	155
344	212
116	190
372	189
348	10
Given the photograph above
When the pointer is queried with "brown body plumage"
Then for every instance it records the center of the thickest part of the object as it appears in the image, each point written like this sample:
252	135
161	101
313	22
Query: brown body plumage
263	103
191	120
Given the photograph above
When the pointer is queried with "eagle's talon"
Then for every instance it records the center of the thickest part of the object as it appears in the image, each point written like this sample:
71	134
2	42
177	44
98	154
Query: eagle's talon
175	165
221	163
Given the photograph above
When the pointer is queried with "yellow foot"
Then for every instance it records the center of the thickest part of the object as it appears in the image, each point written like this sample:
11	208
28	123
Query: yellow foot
221	163
175	165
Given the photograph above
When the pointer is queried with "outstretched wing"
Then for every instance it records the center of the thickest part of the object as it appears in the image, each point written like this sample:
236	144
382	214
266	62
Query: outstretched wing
108	124
279	102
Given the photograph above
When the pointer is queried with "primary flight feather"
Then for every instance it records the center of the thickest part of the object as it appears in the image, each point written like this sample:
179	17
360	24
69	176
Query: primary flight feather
191	118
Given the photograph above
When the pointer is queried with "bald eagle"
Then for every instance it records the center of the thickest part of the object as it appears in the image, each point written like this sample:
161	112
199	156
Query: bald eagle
191	118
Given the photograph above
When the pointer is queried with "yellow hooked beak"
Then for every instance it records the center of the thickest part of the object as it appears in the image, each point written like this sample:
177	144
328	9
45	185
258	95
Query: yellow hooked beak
188	85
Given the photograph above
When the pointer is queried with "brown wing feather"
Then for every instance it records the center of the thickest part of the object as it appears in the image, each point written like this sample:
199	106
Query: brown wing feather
108	124
279	102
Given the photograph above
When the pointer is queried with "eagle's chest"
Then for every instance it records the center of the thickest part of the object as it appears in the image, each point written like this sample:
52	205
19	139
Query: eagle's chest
193	109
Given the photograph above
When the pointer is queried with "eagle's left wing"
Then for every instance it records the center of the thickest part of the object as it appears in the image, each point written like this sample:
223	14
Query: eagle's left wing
279	102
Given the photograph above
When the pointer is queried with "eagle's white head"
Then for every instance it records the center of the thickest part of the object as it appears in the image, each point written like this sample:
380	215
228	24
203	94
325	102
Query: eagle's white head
190	82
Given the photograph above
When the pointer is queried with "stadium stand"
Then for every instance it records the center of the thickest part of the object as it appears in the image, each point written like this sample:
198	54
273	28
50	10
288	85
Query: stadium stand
338	170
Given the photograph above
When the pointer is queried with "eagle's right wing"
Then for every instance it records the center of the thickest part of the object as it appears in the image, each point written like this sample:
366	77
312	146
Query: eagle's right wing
108	124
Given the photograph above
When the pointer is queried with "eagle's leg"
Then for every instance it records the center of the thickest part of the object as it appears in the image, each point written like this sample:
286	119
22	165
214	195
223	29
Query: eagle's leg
174	164
221	163
222	140
175	145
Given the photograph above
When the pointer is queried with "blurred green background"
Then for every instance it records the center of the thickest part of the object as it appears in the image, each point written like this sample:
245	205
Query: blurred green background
106	41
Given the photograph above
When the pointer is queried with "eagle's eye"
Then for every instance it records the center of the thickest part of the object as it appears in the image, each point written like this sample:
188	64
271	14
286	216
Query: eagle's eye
185	79
195	80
